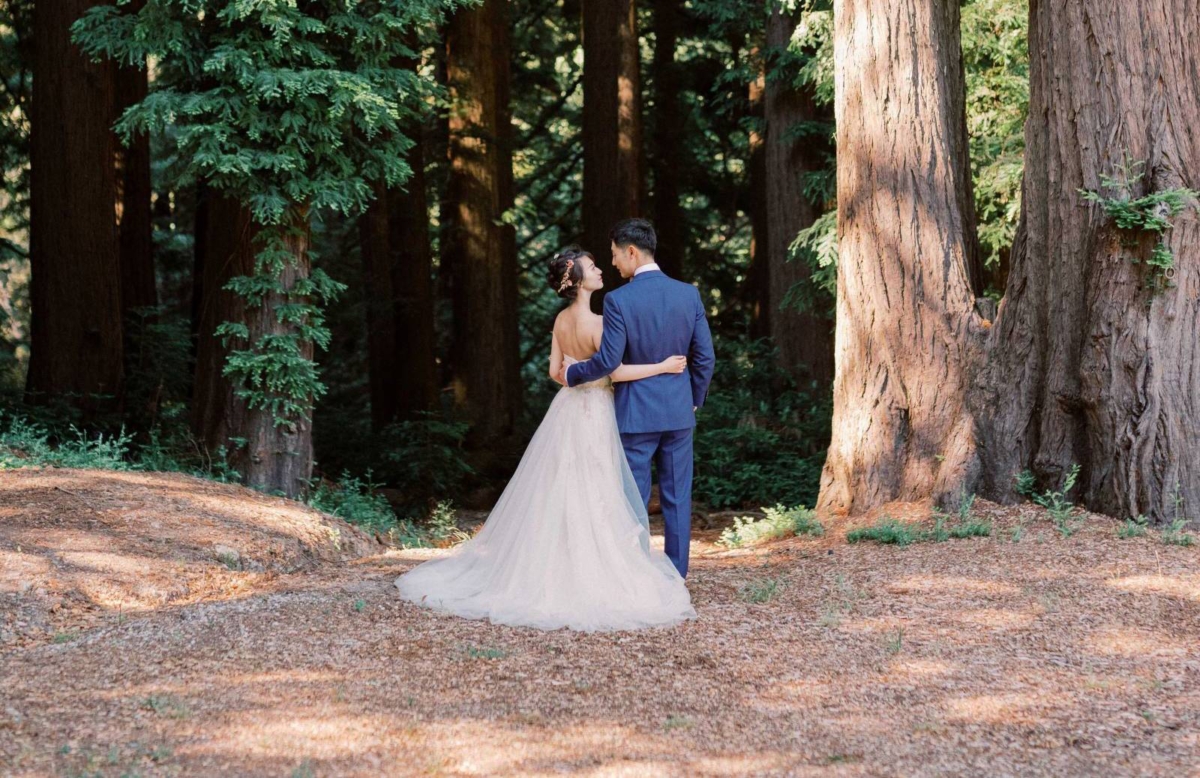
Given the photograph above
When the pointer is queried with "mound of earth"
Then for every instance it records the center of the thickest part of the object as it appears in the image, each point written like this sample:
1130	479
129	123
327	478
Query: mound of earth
80	545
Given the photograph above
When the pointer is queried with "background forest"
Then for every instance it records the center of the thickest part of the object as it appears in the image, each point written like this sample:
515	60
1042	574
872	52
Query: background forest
387	181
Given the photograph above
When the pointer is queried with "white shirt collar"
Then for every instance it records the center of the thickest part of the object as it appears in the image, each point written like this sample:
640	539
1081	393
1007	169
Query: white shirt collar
646	268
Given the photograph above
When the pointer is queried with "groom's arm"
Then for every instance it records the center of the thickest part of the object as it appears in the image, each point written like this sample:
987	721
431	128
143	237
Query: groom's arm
612	348
701	359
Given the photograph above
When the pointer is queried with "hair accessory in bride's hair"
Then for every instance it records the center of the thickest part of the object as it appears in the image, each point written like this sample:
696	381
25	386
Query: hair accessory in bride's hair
566	277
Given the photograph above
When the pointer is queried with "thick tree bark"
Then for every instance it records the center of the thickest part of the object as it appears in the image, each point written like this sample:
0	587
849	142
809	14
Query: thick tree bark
383	371
76	332
612	126
1088	365
268	457
412	282
138	289
804	339
481	252
908	335
397	271
758	281
668	131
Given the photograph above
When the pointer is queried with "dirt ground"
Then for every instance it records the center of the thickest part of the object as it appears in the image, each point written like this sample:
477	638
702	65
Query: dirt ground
163	625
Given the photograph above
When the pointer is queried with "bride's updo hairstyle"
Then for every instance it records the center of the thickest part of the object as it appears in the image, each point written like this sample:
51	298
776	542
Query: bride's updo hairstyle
565	272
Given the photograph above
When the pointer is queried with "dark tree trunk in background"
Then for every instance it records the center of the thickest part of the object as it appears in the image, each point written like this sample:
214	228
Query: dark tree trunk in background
398	274
668	141
612	126
76	332
804	339
908	335
481	253
138	289
1088	366
199	252
758	281
383	371
412	285
272	458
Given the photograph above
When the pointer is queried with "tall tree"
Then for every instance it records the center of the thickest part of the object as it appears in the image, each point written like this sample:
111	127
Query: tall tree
480	250
668	140
804	338
138	288
1094	360
269	456
383	372
76	333
397	271
412	285
908	272
322	122
612	125
758	281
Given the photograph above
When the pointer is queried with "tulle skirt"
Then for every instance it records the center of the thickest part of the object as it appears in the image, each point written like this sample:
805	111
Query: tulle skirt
567	544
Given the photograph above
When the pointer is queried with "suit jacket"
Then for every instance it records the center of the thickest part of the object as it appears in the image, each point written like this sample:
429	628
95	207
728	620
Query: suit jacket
647	320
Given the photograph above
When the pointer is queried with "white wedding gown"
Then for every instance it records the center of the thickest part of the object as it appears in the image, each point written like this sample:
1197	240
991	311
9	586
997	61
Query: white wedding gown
567	544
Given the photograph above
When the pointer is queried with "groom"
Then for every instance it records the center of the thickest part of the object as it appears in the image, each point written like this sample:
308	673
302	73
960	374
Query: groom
647	320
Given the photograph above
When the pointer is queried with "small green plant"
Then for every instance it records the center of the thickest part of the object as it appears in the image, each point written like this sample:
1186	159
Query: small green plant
1174	534
1152	213
777	522
1132	528
64	637
1062	511
677	722
887	531
895	643
761	591
24	443
166	705
443	525
359	604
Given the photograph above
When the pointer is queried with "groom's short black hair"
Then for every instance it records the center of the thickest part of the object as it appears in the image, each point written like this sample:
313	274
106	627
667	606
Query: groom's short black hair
635	232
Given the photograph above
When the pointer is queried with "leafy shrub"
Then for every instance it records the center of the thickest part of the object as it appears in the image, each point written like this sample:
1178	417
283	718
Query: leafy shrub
1063	512
760	438
887	531
357	501
24	443
1132	528
1174	535
779	522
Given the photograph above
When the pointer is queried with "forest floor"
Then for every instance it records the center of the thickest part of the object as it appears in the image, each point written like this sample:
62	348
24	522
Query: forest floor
163	625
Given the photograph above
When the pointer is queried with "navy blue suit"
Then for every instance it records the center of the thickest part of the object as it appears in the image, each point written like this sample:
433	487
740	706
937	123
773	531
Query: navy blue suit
647	320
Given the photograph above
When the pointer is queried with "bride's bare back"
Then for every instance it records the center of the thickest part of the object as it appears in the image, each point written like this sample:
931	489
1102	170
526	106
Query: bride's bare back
578	332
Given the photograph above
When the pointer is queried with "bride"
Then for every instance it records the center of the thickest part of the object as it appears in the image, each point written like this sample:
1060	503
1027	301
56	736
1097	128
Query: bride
568	543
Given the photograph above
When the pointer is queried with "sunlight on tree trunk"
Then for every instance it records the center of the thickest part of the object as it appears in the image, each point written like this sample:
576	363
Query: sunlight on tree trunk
1089	364
907	332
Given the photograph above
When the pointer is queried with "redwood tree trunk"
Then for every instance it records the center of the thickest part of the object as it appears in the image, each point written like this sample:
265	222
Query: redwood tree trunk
412	284
907	331
804	339
480	251
612	126
668	127
268	457
138	288
397	270
758	281
76	333
383	371
1088	365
